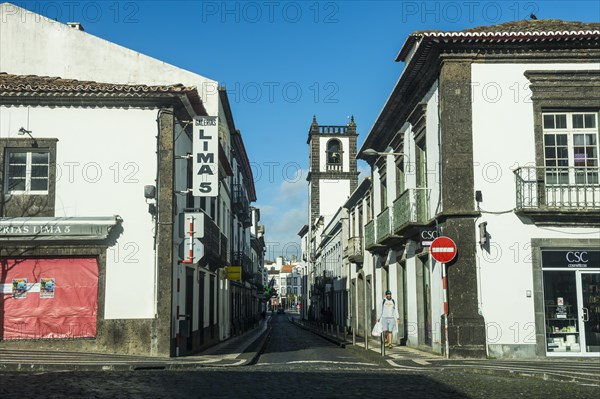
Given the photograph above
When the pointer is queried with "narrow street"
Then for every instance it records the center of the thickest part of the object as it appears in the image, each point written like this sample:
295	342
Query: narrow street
295	363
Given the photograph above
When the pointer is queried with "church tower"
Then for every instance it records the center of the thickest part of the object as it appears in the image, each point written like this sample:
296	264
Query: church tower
332	176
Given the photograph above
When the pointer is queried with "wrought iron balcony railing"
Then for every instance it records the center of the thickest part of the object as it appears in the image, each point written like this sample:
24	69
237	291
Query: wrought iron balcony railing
370	234
411	207
557	188
354	250
383	225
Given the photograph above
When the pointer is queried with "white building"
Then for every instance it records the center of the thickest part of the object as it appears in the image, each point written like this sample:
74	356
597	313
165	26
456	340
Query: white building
191	307
490	137
68	189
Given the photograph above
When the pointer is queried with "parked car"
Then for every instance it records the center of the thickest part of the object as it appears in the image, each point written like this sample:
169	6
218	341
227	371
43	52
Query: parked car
280	311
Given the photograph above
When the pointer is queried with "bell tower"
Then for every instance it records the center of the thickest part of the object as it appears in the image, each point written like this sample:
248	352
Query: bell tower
332	176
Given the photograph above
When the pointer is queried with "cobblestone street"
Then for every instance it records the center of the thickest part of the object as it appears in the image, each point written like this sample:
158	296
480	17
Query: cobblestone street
294	363
291	381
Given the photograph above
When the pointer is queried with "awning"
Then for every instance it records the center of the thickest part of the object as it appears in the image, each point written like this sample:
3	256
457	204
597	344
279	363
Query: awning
57	228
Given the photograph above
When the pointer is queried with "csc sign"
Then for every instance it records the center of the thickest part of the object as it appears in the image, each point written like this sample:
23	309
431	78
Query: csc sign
205	145
573	259
577	257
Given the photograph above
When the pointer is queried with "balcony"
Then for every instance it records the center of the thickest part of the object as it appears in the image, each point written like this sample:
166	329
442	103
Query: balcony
371	244
241	258
370	235
212	244
224	249
241	205
354	250
558	195
383	225
411	208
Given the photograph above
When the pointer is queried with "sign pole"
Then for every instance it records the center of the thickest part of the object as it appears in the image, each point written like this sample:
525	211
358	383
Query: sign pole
443	250
445	286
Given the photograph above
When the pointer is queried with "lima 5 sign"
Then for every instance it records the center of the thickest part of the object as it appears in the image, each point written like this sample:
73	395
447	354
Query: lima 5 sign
205	145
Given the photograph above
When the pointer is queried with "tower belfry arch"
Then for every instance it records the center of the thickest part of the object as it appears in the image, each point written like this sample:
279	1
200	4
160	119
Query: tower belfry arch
333	174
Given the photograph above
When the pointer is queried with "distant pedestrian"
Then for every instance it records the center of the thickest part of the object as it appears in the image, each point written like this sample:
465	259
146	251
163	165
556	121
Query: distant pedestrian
389	317
328	316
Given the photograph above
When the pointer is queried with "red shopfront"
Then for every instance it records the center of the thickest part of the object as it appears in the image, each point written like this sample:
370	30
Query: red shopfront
51	276
49	298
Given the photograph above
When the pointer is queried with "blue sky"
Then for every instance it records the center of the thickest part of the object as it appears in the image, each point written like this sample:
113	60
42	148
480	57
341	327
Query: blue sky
284	61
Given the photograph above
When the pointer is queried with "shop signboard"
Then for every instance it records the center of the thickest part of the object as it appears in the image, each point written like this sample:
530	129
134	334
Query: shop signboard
56	228
205	144
427	236
571	259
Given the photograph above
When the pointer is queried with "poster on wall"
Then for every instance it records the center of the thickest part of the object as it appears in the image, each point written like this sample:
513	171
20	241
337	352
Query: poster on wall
19	288
47	288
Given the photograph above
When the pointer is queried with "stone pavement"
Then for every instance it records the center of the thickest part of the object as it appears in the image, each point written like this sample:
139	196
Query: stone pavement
582	370
237	351
245	350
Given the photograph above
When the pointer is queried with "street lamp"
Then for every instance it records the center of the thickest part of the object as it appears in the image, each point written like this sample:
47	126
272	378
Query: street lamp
372	153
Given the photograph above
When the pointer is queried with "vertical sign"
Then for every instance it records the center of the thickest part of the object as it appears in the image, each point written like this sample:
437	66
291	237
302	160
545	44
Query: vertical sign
206	156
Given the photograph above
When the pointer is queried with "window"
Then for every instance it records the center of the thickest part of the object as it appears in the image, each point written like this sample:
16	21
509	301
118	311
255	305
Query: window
570	147
383	192
27	171
399	176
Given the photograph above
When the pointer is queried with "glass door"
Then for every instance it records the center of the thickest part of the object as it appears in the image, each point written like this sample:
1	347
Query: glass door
562	313
589	316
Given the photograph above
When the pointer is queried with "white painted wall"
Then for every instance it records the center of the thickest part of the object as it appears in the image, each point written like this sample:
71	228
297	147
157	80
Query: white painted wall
433	148
411	295
104	158
333	194
35	45
503	138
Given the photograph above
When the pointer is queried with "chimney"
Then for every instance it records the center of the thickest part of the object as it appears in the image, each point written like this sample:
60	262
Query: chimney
76	25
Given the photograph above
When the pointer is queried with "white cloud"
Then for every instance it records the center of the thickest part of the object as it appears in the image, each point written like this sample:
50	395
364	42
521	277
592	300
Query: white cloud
283	215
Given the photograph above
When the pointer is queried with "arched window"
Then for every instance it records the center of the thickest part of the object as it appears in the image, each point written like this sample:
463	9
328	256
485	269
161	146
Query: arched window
334	152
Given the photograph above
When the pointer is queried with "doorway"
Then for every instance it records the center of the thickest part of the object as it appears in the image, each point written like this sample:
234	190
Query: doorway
588	292
572	312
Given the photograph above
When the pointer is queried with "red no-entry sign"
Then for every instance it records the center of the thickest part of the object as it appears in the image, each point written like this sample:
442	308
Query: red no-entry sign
443	249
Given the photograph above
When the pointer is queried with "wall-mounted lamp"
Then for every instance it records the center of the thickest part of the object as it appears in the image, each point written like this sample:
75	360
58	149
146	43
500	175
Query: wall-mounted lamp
150	196
483	235
478	196
149	192
372	153
369	152
22	131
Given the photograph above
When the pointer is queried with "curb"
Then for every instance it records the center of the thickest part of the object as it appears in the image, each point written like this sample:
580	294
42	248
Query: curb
337	341
97	364
543	375
262	343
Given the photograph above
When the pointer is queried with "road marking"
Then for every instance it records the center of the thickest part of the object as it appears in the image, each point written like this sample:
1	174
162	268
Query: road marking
238	363
320	361
393	364
422	362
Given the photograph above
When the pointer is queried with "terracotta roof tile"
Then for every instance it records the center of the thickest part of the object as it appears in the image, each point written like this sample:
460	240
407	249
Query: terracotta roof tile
287	269
531	29
528	25
33	84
